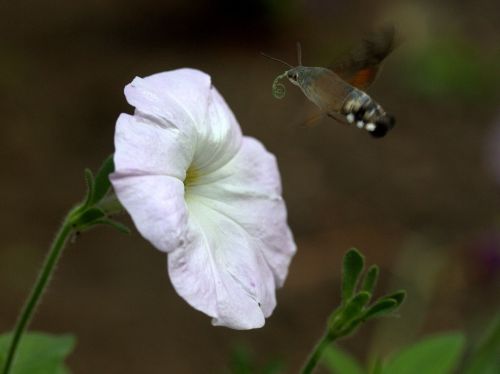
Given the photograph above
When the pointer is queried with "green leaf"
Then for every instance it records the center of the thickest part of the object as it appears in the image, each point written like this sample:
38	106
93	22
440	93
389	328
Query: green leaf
378	366
486	357
370	279
352	268
38	353
241	361
398	297
356	305
380	308
340	362
102	183
435	355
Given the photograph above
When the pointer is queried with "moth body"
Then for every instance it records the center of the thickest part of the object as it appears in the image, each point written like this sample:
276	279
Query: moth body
339	91
334	96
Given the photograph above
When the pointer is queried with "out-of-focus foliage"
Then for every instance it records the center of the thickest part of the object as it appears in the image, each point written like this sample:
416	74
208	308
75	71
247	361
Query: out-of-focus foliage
485	358
447	69
39	353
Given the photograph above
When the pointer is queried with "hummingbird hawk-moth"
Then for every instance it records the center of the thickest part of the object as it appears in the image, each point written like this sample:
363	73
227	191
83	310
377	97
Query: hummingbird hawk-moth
339	90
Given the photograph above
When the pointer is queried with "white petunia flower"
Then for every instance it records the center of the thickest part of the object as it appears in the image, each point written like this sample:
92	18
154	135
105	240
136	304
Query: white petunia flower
206	195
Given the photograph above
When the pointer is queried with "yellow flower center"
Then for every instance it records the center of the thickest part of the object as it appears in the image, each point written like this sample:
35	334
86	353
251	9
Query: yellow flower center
192	176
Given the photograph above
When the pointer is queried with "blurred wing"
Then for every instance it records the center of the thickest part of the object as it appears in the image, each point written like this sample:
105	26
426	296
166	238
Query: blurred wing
360	67
315	119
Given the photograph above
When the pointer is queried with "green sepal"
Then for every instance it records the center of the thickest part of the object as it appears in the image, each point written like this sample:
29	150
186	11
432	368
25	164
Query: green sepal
88	217
101	181
89	181
371	278
352	267
117	225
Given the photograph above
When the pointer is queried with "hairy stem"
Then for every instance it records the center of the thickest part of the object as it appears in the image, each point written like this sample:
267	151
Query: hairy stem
36	293
313	359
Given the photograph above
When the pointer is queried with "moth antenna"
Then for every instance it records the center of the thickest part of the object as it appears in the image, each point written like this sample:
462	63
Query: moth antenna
276	59
299	53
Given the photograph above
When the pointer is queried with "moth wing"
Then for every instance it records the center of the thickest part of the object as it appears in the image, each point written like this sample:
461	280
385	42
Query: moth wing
360	67
314	119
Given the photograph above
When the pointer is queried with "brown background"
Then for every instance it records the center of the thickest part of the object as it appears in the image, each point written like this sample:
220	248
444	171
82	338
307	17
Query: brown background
422	202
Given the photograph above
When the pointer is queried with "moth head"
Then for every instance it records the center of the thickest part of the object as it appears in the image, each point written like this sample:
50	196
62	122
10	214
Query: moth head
295	75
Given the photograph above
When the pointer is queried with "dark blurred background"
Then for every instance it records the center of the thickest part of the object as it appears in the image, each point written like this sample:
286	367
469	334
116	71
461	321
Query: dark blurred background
422	202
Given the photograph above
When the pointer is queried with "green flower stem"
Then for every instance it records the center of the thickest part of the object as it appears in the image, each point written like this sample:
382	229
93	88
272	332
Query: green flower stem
36	293
313	359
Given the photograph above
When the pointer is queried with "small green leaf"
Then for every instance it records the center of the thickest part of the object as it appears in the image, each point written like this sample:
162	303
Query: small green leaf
340	362
398	297
435	355
102	183
346	318
371	278
352	268
356	305
380	308
38	353
117	225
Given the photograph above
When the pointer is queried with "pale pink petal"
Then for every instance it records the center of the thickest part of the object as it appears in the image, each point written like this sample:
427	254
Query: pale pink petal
221	271
156	205
143	147
225	231
248	190
186	99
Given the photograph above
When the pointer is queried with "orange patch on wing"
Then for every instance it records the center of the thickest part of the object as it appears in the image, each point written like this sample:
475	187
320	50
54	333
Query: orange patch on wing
364	77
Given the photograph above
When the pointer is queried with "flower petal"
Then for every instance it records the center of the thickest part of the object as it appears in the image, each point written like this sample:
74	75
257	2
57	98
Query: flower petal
143	147
238	245
186	99
248	189
221	271
156	205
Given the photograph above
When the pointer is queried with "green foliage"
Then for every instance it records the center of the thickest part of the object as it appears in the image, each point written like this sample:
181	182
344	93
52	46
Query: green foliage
438	354
435	355
101	182
243	362
39	353
354	308
339	362
449	69
94	210
486	356
352	268
370	279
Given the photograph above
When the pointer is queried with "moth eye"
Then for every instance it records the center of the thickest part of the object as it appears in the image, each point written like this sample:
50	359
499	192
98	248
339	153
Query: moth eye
296	77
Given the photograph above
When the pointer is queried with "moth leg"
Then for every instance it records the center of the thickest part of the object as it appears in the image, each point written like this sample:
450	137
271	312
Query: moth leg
338	117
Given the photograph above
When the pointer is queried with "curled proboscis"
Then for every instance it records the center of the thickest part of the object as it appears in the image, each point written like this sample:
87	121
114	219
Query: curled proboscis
279	89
